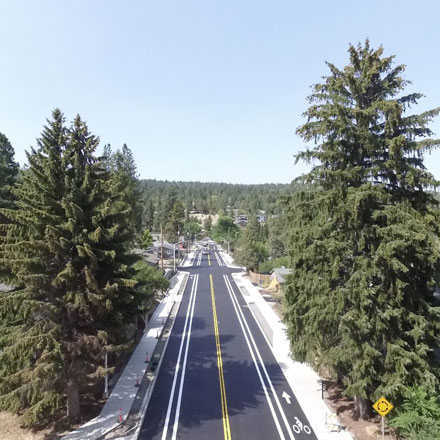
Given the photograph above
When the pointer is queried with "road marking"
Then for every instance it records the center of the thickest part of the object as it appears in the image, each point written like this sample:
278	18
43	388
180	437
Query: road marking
209	260
189	315
225	415
199	257
182	379
243	324
219	261
287	397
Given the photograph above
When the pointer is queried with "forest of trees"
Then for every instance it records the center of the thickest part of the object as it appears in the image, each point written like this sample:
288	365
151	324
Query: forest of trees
212	198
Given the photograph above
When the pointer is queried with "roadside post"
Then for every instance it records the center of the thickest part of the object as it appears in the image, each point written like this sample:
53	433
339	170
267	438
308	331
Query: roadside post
383	407
106	376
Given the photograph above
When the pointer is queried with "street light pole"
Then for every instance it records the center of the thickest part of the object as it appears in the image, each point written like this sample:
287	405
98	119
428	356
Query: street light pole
174	256
106	377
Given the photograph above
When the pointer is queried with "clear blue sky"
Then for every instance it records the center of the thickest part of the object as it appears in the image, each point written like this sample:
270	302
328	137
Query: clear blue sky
208	90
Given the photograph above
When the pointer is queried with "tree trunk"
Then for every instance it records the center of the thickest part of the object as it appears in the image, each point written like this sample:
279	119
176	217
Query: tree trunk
362	408
72	400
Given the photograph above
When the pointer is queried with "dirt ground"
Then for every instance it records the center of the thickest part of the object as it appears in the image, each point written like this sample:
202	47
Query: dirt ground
343	407
11	430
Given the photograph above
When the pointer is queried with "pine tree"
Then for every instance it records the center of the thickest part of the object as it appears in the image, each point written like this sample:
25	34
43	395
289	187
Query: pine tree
69	250
207	224
174	223
364	237
107	157
8	176
31	355
8	173
148	214
124	167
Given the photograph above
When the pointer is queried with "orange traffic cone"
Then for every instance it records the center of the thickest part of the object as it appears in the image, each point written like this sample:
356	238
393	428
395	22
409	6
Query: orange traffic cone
137	381
120	415
146	358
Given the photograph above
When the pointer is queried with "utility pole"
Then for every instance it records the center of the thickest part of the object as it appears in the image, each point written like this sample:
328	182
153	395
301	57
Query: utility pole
106	376
161	248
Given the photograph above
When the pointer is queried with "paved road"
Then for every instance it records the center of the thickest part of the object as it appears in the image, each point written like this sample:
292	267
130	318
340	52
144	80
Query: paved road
219	379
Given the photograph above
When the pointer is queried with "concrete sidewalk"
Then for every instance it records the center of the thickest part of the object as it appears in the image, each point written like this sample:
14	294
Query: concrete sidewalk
302	378
123	395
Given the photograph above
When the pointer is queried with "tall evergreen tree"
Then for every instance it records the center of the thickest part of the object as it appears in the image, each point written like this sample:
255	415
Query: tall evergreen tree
8	173
124	167
148	214
31	356
107	157
365	240
174	223
207	224
68	248
8	176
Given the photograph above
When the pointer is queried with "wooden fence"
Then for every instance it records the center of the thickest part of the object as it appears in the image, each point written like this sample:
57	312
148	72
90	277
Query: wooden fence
259	278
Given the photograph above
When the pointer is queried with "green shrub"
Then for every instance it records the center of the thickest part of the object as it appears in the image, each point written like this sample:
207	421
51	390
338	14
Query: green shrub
268	265
418	418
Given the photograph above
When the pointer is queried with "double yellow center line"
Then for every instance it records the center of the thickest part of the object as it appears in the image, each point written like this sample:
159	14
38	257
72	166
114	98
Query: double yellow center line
225	416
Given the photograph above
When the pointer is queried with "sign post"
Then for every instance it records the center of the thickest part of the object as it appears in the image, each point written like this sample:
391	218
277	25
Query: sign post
383	407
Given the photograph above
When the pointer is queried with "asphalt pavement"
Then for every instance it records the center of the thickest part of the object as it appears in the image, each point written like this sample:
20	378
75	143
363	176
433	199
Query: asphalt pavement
219	378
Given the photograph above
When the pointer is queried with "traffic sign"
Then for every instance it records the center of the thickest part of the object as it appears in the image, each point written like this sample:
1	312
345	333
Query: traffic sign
382	406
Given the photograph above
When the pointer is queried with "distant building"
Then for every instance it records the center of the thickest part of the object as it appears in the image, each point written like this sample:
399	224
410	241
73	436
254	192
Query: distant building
241	220
168	250
278	275
241	223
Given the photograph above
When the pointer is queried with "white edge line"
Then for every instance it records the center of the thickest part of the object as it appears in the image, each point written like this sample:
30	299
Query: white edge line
182	378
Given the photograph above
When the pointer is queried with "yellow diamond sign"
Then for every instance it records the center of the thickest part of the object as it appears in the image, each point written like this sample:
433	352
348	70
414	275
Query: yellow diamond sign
382	406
